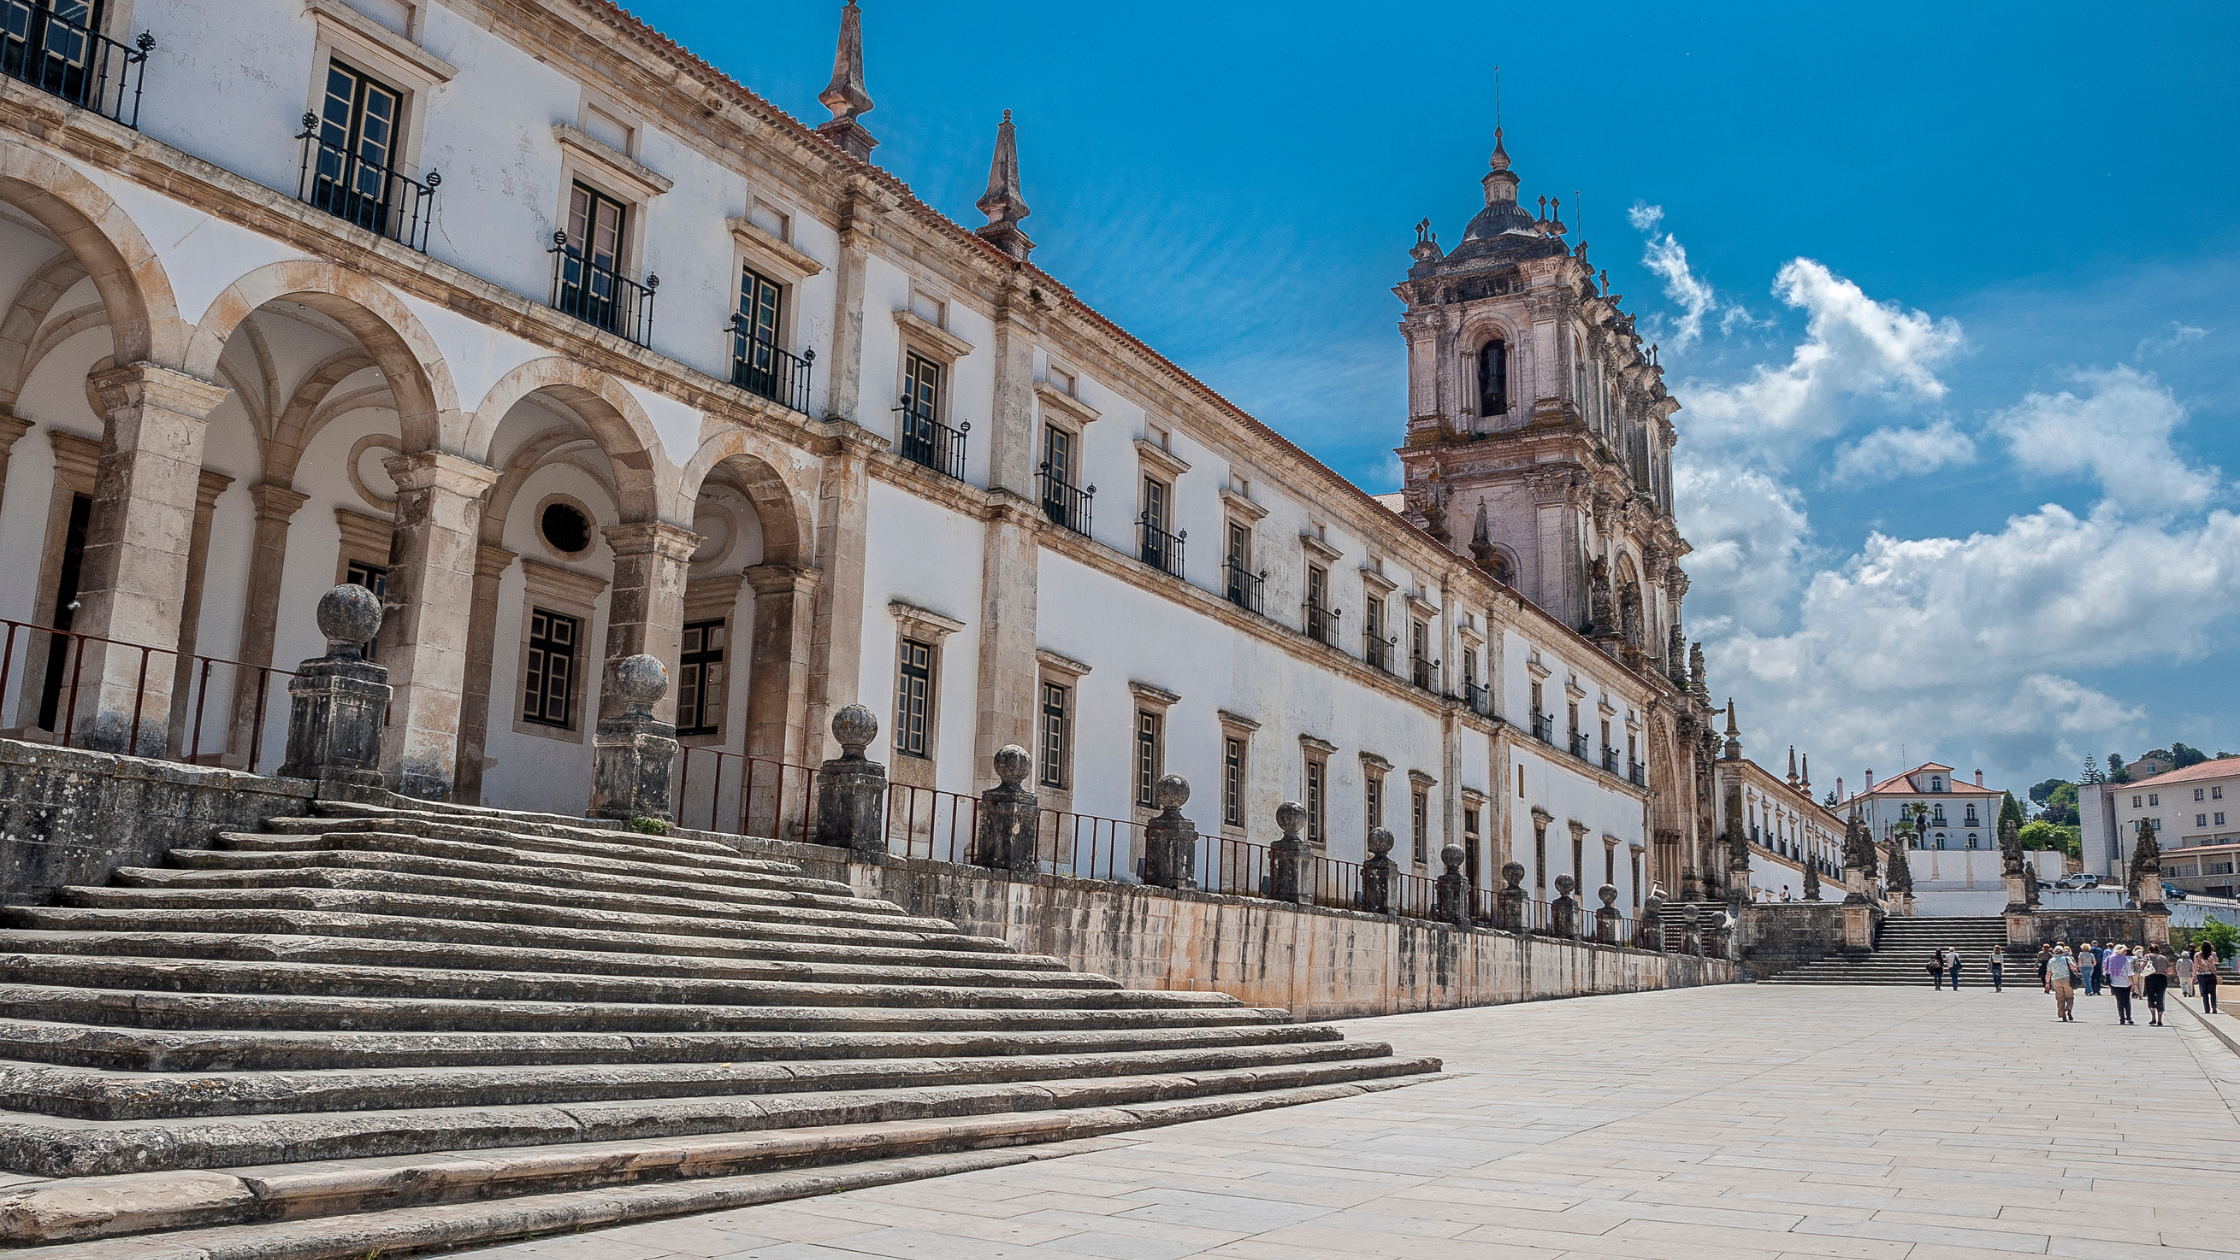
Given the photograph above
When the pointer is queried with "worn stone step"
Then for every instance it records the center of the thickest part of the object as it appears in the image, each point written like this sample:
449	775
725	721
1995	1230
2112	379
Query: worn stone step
151	1049
50	1146
374	872
348	1210
552	826
517	854
478	910
716	857
128	1008
512	936
219	975
495	959
99	1094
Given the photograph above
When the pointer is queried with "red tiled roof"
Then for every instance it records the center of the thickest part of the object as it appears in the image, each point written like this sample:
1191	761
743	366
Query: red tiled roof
1954	786
2201	770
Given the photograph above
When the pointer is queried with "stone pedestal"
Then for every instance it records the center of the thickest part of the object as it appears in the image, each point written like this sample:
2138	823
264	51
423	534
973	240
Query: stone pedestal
335	703
852	790
1858	926
2018	893
1608	921
2157	918
1377	873
1563	912
1170	841
1287	857
1510	903
1454	887
1005	830
634	752
1652	924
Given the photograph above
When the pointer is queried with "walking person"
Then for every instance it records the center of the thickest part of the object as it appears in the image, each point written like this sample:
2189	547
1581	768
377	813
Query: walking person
2160	967
2061	981
2045	957
1952	966
1936	969
1998	969
2117	965
2088	969
2205	977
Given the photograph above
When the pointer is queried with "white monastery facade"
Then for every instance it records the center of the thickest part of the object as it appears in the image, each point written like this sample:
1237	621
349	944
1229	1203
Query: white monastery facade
575	348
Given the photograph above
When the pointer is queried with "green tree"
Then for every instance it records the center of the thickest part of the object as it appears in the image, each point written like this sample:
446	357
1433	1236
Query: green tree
2187	755
2061	805
2044	835
2116	772
2091	770
2222	937
2010	810
2039	792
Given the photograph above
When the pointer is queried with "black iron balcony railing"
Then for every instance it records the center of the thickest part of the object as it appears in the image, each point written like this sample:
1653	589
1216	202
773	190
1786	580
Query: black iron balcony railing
1320	623
1158	548
760	367
1242	586
1478	697
377	198
599	295
1610	760
1423	673
1544	727
73	61
1376	651
1579	747
1063	504
1633	774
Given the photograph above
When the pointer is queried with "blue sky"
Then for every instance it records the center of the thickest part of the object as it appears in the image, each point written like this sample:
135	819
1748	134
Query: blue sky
1945	291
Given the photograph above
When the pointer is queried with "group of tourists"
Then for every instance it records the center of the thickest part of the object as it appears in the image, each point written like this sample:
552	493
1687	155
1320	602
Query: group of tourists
2063	972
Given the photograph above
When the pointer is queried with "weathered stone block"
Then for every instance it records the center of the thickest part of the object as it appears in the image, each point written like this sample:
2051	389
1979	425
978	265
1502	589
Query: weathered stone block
1004	836
634	753
852	790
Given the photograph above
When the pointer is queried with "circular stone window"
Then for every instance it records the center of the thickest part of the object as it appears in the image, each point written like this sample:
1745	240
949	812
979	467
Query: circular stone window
565	528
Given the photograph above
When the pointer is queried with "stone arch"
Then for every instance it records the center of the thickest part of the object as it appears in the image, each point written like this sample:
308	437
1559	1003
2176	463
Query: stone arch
540	450
428	415
135	291
780	507
645	483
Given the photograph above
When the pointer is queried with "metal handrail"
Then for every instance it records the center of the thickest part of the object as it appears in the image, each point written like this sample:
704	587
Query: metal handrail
1320	623
758	366
928	442
1243	587
378	198
599	295
1065	504
73	61
66	654
1158	548
1376	651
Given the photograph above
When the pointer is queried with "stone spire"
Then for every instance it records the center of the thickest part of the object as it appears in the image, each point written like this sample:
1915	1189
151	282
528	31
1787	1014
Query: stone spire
1733	749
1806	777
1792	765
846	95
1003	203
1500	182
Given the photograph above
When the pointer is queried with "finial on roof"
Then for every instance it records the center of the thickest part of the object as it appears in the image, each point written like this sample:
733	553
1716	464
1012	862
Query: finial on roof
1806	777
1003	203
1500	182
1733	749
846	96
1792	765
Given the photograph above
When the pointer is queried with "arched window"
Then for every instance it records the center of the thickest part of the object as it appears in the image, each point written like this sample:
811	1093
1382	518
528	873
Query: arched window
1493	379
1936	783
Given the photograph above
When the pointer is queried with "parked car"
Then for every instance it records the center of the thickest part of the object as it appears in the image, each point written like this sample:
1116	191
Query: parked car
2171	892
2076	881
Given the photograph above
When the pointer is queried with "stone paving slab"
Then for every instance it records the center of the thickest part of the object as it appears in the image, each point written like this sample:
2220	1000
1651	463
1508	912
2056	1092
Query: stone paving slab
1736	1123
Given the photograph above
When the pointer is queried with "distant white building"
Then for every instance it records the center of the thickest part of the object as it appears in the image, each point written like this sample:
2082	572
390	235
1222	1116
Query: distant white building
2195	814
1961	814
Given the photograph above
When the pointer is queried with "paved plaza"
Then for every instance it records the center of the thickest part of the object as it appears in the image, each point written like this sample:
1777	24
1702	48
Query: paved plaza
1738	1123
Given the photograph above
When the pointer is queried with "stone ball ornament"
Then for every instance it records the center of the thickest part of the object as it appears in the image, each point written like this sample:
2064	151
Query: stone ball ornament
1012	762
1512	874
1380	841
640	681
1454	856
1291	816
1609	895
349	616
1564	885
856	726
1170	792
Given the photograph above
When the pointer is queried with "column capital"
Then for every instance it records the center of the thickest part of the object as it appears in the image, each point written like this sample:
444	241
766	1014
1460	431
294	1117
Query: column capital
672	542
491	562
146	384
275	502
11	428
437	470
208	486
779	579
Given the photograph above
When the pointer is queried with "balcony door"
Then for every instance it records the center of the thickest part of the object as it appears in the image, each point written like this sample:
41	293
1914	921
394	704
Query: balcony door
921	395
590	284
50	43
755	335
358	121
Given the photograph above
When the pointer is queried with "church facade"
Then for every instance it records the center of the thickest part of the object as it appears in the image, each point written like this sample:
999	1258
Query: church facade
574	348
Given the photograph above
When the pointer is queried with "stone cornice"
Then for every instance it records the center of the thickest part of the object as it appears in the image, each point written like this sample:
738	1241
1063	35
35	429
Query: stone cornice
634	177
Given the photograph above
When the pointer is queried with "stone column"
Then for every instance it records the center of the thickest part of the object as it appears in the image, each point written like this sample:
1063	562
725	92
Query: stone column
1563	912
1009	597
1509	906
276	505
836	639
1170	841
428	601
490	565
1287	857
634	752
335	703
1006	826
852	790
778	691
134	576
185	674
1608	921
645	603
1454	887
1377	873
10	429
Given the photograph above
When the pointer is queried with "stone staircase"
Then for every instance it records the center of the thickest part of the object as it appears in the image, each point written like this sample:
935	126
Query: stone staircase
1901	955
375	1031
1675	915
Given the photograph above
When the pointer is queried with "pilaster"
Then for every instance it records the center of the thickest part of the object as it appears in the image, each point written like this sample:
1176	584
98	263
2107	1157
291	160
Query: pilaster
645	605
428	604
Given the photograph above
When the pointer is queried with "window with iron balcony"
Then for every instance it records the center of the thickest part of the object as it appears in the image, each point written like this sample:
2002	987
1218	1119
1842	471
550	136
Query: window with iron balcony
57	47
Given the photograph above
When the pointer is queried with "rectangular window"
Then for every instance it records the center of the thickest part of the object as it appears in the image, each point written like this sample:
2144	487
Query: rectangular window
2154	798
2216	793
1057	719
1470	667
2220	820
2197	794
1161	549
1314	803
1372	800
552	668
1419	824
591	284
372	577
1155	503
1150	729
358	120
700	679
755	355
1232	781
1057	453
913	698
1634	865
2134	802
2200	820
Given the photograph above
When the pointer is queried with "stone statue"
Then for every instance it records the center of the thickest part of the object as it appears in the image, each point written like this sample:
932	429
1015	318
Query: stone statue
2010	849
1676	658
1600	618
1812	879
2146	866
1629	614
1697	686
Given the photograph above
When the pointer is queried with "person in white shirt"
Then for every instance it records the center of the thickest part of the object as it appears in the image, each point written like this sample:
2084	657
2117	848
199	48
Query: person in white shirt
2061	976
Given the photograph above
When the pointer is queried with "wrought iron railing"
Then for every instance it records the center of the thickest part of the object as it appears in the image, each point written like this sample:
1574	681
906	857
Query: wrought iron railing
1610	760
377	198
1242	586
1158	548
1478	697
1633	773
1065	504
928	442
46	667
1579	746
73	61
759	367
1544	727
599	295
1423	673
1376	651
768	798
1320	623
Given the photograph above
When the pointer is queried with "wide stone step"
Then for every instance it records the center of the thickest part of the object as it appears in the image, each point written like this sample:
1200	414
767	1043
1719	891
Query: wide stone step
128	1008
538	861
495	959
351	1209
554	826
612	844
227	1050
99	1094
392	873
50	1146
219	975
478	910
513	937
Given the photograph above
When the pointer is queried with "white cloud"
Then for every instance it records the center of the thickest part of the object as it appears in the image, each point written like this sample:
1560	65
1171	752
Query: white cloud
1749	532
1645	217
2118	432
1886	454
2179	335
1667	259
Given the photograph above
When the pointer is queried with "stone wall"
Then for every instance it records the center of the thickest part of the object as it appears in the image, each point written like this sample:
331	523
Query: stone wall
1317	963
1782	935
68	816
2069	927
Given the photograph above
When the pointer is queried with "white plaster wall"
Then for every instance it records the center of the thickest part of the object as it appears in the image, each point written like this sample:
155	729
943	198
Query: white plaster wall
928	557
